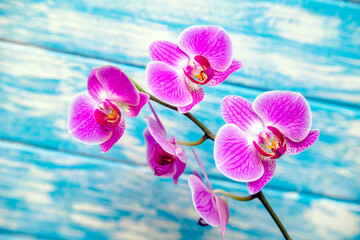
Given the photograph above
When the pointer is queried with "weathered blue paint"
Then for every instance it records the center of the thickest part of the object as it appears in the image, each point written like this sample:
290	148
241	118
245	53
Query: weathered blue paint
307	46
52	186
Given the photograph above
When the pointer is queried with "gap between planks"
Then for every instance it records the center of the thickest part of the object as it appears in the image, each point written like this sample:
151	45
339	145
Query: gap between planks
143	66
186	173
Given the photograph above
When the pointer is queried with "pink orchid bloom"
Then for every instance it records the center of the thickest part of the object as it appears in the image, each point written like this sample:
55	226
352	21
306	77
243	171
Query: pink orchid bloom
202	57
212	209
165	156
277	123
97	119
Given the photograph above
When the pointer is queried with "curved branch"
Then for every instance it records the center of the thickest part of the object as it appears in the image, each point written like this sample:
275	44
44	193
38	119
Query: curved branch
195	143
235	197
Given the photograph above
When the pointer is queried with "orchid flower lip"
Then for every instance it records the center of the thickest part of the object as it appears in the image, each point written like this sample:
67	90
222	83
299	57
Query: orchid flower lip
108	115
162	170
193	72
270	144
262	152
165	161
277	133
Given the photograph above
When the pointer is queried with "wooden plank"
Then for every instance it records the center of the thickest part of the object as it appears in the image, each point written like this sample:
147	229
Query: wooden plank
57	195
311	46
37	87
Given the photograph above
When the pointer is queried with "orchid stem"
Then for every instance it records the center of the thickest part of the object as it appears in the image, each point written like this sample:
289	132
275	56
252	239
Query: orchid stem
195	143
235	197
263	200
207	131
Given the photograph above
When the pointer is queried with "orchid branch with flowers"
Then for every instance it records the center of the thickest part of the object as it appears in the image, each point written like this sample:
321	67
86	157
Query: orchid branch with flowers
246	148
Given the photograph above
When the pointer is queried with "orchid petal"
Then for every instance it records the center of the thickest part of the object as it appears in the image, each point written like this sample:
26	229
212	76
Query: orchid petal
169	53
95	88
160	137
203	201
212	42
116	135
235	156
202	169
162	130
168	84
180	168
269	171
287	111
150	143
238	110
112	83
197	94
82	124
223	209
153	161
196	173
297	147
133	110
220	77
169	172
180	153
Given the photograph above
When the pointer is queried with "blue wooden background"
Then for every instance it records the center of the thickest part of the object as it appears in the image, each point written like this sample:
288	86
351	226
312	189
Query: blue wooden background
53	187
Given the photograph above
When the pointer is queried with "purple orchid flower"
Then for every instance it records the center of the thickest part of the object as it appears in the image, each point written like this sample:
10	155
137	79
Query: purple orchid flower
97	119
203	57
277	123
212	209
165	156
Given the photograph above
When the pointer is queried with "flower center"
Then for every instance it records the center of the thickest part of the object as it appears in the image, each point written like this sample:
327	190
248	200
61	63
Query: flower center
164	160
199	71
271	143
107	115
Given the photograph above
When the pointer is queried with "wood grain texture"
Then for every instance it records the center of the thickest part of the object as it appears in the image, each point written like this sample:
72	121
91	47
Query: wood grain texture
310	46
46	82
74	197
53	187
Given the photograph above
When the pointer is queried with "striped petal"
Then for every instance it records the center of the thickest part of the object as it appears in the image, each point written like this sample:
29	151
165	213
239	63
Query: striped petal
220	77
269	171
133	110
204	201
238	110
223	209
287	111
297	147
160	136
168	84
169	53
212	42
115	136
197	94
82	124
235	155
112	83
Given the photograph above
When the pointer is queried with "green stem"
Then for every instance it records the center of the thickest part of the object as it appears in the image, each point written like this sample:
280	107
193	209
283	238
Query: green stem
207	131
195	143
263	200
235	197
